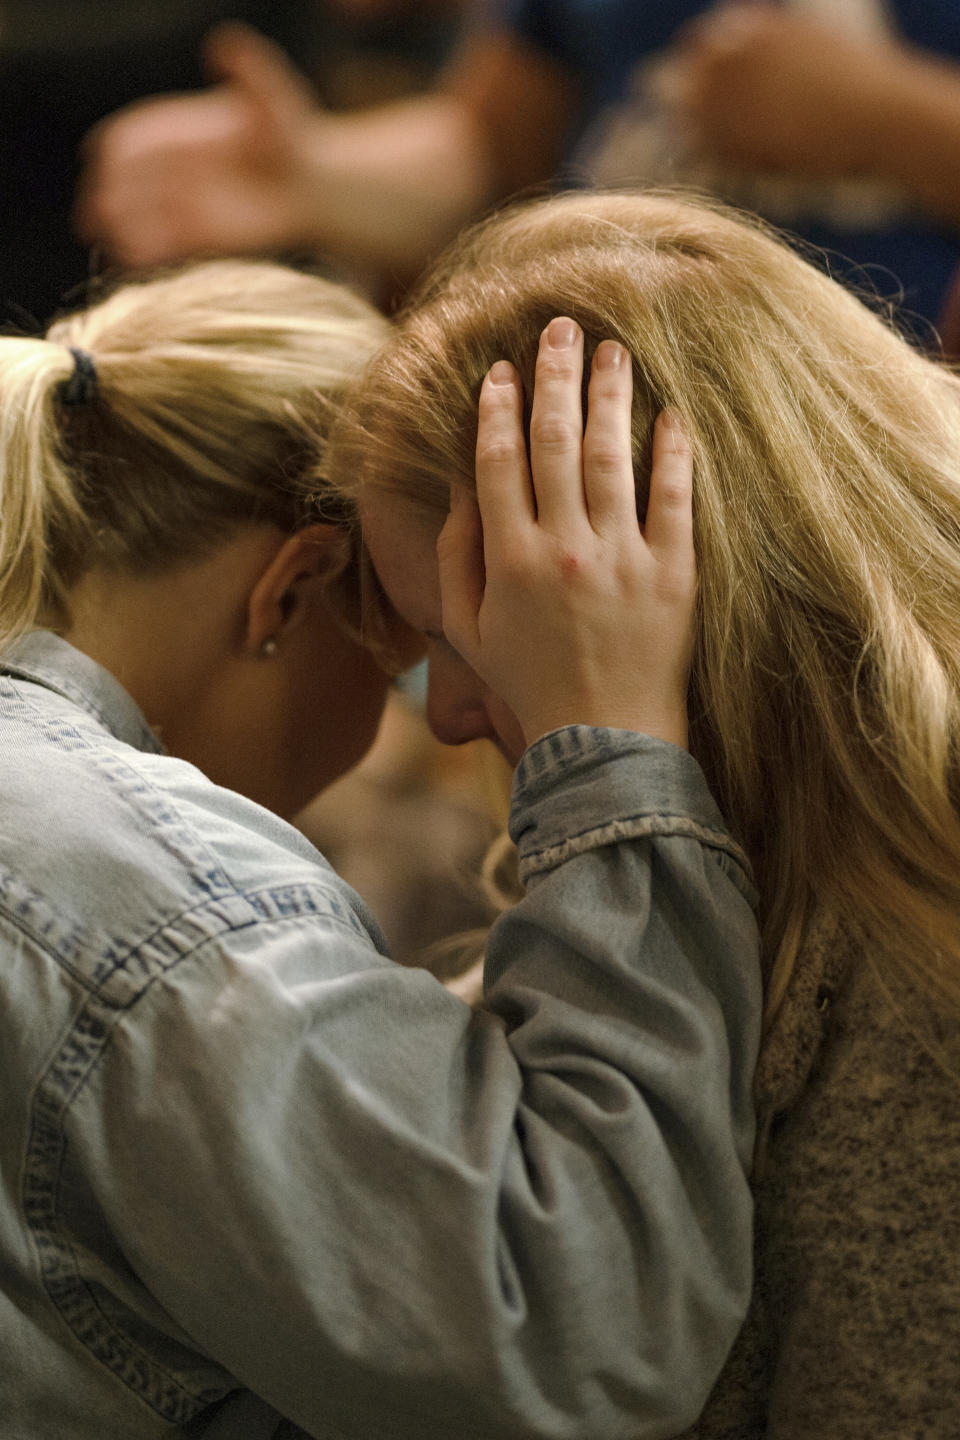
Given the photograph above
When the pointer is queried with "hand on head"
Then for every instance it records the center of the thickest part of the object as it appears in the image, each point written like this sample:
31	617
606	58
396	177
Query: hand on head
566	605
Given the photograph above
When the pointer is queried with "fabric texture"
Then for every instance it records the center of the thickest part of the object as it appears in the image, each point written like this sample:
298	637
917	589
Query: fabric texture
854	1325
252	1169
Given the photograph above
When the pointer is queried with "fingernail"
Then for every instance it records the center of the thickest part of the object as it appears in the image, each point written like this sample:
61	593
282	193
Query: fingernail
609	355
501	373
561	334
673	420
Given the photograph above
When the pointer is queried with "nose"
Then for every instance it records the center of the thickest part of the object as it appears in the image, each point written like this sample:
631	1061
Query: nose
456	700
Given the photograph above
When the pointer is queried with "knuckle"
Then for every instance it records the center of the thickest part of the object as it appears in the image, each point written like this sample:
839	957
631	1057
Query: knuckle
554	433
516	556
498	451
606	460
611	387
673	493
676	584
677	448
559	365
496	401
571	564
574	561
514	565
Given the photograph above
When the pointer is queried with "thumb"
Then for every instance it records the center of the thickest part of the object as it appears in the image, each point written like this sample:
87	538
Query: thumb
236	54
460	562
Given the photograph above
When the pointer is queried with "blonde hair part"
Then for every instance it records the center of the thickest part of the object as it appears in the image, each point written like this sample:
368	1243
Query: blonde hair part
215	386
824	696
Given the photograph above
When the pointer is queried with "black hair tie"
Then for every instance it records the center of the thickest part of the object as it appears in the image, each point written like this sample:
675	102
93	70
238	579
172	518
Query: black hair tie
82	384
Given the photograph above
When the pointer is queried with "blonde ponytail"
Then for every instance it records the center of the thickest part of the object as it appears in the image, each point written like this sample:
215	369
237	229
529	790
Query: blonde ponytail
215	387
37	493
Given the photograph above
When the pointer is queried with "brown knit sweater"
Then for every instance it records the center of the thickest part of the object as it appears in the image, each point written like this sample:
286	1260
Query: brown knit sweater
854	1327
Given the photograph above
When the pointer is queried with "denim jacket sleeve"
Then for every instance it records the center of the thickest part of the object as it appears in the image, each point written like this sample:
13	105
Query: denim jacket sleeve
390	1215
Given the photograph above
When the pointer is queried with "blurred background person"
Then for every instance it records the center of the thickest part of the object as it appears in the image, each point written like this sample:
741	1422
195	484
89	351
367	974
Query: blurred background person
63	66
606	90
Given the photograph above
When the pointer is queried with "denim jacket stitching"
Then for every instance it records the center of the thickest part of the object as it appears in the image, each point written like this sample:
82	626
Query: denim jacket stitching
639	827
156	806
68	943
64	1079
554	751
125	779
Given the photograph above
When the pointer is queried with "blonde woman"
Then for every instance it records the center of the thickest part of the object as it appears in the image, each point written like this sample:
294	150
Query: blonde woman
823	708
258	1180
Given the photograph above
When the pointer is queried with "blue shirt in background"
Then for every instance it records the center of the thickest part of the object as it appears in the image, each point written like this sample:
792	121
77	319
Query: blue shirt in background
887	248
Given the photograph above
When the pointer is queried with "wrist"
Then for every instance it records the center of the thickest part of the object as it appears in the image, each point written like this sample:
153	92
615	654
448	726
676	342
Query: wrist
668	725
315	183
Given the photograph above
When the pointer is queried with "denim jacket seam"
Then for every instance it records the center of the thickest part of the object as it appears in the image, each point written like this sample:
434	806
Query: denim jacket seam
55	1092
554	751
128	781
266	904
535	860
153	803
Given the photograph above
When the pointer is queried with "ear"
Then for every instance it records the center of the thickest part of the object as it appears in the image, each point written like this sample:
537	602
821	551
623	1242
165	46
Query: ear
280	598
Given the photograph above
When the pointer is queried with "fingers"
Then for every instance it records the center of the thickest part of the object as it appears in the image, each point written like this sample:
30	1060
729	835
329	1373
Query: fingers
608	478
504	487
668	530
581	473
237	54
556	425
726	28
564	619
576	473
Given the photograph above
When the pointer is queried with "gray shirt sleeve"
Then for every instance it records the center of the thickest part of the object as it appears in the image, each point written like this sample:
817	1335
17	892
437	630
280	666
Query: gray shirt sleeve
391	1215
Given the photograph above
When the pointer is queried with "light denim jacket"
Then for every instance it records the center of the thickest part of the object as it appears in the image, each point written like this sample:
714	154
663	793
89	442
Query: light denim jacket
251	1168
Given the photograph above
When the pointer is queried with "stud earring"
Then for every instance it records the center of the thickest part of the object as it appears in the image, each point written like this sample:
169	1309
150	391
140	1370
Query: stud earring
269	649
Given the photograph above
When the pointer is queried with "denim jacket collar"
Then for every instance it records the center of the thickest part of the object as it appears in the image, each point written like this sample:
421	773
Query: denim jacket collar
49	660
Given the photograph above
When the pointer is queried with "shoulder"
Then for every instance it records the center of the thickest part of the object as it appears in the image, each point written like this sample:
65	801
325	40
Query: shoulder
857	1208
856	1073
106	847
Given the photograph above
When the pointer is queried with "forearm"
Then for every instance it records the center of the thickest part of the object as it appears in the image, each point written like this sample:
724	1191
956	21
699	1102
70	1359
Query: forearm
389	187
467	1219
253	165
629	981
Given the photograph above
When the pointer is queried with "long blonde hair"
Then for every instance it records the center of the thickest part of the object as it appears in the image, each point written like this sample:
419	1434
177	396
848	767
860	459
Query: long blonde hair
213	389
824	695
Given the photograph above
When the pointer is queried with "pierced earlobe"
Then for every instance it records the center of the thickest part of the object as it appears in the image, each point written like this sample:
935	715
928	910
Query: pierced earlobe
269	649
